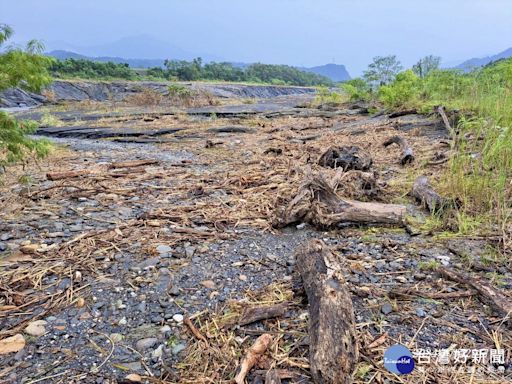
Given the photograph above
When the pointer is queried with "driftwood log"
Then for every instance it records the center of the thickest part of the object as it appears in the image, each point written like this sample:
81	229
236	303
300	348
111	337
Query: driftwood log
132	164
423	192
347	158
333	351
501	303
316	203
67	174
407	152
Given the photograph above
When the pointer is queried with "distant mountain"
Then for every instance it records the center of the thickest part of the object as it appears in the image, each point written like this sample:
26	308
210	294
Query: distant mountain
134	63
335	72
473	63
140	46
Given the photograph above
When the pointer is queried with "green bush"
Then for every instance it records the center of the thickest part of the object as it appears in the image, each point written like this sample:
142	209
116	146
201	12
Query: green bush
357	89
404	91
28	69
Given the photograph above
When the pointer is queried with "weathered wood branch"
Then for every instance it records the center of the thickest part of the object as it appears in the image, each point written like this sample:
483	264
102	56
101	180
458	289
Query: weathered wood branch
318	204
501	303
67	174
442	113
253	354
403	113
407	152
333	344
423	192
347	158
253	314
132	164
272	377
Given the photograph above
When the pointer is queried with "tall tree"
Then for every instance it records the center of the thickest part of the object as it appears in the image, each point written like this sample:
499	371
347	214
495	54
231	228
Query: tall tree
26	68
426	65
382	70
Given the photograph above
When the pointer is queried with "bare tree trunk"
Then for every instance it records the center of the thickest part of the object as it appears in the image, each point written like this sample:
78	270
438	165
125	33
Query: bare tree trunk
333	351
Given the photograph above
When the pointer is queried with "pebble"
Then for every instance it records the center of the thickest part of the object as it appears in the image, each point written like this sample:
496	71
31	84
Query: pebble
163	249
3	247
165	329
123	321
420	312
146	343
116	337
189	251
242	277
178	348
386	309
178	318
5	236
36	328
157	353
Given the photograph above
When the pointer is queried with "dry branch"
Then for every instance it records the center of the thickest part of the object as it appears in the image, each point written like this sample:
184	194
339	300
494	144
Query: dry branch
423	192
253	314
407	152
253	354
67	174
132	164
272	377
442	113
333	346
501	303
318	204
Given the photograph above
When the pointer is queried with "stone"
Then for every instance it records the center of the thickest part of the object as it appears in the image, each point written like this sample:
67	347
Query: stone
165	329
146	343
163	249
189	251
3	247
123	321
242	277
157	353
29	248
36	328
178	348
116	337
178	318
386	309
420	312
210	284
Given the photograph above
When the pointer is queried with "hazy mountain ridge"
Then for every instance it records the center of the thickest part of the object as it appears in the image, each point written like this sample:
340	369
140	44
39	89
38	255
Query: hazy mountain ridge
481	61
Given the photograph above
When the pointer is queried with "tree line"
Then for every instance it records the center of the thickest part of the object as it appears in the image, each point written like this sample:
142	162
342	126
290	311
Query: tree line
194	70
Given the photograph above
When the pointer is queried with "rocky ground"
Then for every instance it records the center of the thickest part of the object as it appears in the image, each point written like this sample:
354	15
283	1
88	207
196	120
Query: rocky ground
100	272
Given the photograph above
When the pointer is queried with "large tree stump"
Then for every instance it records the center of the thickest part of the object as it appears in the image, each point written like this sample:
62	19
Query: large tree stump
316	202
407	152
423	192
333	351
347	158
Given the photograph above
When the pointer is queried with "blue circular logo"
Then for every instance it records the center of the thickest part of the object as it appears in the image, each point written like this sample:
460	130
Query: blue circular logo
398	359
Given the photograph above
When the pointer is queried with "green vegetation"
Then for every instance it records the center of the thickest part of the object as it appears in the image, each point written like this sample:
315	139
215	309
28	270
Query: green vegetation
25	68
480	167
87	69
189	71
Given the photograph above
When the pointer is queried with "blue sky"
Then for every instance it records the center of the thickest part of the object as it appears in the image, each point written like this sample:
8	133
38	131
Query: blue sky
295	32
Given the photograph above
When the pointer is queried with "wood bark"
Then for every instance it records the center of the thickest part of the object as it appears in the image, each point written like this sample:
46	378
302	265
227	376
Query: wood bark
253	314
423	192
318	204
407	152
347	158
132	164
67	174
403	113
501	303
253	354
272	377
442	113
333	346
